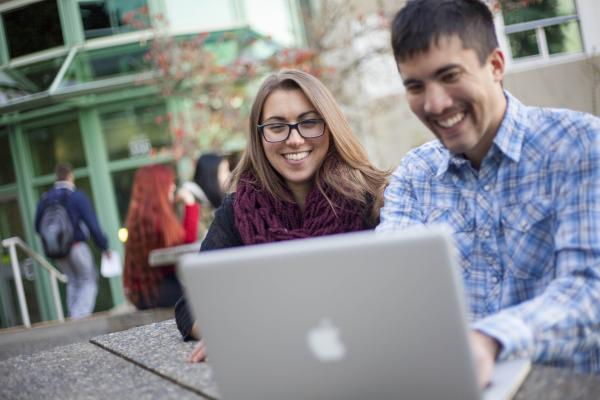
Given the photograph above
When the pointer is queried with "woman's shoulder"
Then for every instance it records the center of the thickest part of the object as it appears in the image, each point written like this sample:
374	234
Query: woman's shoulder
223	232
228	201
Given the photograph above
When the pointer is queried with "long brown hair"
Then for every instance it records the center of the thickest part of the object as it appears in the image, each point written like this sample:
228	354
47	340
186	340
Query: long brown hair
346	167
151	224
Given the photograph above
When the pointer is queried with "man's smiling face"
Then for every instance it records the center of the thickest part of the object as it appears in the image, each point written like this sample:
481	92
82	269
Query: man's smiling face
456	96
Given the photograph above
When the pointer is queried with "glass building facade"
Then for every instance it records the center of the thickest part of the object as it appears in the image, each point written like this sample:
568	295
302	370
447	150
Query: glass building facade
70	73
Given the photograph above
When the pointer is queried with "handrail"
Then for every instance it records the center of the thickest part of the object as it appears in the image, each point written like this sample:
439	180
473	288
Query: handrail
12	243
37	257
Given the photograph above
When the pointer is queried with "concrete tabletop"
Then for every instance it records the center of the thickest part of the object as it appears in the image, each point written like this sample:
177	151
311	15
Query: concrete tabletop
158	347
150	362
83	371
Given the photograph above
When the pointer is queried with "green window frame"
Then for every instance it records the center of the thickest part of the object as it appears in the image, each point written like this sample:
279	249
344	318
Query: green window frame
542	29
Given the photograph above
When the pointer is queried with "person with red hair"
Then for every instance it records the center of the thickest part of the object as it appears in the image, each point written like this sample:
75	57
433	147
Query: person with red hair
152	224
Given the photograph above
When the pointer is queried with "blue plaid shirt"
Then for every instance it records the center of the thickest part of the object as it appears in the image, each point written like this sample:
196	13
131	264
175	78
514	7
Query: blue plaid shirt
527	227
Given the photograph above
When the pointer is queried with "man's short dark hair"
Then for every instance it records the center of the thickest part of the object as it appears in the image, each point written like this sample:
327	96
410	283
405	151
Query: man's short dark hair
421	23
62	171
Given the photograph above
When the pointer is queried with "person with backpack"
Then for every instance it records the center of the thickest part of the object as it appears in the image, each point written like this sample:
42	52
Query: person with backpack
64	219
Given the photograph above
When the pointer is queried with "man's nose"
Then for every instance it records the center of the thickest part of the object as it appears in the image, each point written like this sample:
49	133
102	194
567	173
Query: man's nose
436	99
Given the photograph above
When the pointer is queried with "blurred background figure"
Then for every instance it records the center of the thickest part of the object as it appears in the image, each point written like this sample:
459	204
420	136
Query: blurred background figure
208	187
152	224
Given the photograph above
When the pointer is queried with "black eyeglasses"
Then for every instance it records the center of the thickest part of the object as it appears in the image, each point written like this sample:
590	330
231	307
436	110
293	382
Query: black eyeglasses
280	131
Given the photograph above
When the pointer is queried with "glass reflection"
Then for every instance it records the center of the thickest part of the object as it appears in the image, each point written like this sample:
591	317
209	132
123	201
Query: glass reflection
53	144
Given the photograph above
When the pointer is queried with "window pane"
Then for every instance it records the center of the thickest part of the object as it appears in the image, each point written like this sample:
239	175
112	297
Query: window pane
123	181
39	76
136	131
10	218
53	144
515	11
106	17
564	38
32	28
523	44
7	170
105	63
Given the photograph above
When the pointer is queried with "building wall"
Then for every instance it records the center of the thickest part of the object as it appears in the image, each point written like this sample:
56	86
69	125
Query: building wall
388	129
574	85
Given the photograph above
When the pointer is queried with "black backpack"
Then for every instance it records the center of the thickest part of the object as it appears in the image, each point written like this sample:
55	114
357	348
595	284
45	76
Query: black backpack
56	228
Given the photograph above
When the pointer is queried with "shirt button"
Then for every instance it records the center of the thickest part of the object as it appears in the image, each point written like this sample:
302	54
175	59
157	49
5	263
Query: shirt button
489	260
487	188
495	279
486	233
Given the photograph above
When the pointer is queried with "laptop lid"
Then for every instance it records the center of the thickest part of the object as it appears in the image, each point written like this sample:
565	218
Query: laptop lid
352	316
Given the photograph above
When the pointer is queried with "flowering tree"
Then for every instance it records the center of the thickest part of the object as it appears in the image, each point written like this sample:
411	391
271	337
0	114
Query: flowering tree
214	74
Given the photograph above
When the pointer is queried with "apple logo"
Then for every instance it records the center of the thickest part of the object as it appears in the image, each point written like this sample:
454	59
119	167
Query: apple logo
324	342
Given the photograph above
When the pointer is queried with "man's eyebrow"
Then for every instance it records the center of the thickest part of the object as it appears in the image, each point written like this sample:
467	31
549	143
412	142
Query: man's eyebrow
411	81
436	73
446	68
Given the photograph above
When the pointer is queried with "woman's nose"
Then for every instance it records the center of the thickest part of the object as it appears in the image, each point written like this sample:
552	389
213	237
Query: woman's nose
295	138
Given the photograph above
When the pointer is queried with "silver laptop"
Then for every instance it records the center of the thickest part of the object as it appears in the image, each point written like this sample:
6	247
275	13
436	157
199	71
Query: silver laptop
353	316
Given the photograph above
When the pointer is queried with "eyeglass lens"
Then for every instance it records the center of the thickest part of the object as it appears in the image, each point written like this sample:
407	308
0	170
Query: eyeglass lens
278	132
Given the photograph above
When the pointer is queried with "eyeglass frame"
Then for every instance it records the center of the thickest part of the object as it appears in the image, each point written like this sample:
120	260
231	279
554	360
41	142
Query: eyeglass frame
290	127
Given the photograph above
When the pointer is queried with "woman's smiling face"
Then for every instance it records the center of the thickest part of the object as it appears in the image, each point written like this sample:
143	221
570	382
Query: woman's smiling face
296	159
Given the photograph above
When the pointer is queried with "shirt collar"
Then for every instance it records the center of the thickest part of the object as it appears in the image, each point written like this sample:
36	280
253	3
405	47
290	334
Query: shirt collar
64	185
508	139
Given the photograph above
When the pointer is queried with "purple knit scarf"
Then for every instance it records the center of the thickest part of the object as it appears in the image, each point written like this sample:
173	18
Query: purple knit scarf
262	218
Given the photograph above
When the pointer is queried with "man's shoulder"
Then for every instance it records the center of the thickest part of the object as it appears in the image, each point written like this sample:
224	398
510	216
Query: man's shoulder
551	124
425	159
53	193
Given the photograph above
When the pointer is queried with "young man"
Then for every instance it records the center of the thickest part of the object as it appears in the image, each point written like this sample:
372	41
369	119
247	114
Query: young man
79	264
519	186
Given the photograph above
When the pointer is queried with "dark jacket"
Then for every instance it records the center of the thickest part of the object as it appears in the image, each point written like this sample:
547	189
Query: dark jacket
223	234
80	211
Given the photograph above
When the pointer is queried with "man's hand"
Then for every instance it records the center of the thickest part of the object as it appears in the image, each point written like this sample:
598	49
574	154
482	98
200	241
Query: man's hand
199	353
485	350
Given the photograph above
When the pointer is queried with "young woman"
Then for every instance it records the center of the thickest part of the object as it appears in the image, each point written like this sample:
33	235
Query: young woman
303	174
211	175
208	186
153	224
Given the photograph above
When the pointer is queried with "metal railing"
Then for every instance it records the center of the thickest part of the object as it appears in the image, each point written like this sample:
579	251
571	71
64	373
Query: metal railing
12	243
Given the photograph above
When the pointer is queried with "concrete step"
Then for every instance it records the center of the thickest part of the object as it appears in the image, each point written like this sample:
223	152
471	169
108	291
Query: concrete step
47	335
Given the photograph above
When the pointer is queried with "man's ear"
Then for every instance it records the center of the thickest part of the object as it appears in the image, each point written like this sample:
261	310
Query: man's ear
498	64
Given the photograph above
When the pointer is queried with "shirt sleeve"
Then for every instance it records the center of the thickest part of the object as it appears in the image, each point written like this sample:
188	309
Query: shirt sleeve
400	209
191	216
564	319
89	218
183	319
221	234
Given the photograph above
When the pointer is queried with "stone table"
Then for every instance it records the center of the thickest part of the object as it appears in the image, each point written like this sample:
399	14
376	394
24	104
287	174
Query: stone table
150	362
